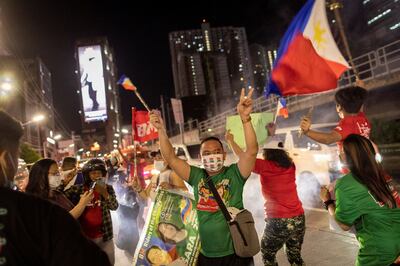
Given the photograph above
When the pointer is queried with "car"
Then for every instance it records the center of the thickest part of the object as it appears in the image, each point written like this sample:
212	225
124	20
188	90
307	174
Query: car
316	164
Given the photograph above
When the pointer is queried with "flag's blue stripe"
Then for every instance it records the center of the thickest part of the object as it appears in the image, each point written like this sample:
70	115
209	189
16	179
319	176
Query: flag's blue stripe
121	79
298	24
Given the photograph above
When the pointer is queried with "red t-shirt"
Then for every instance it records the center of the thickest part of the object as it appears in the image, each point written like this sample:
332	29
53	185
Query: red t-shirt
353	124
278	186
91	219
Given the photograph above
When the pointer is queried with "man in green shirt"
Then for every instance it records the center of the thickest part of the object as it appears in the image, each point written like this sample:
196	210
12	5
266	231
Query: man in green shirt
216	241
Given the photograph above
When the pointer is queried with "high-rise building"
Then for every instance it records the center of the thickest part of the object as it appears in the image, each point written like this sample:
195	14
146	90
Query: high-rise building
262	59
211	61
368	24
28	91
383	19
98	90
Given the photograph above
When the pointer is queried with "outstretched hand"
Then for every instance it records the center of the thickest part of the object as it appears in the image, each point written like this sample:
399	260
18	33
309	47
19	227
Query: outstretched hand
271	128
324	194
305	124
229	136
245	105
156	120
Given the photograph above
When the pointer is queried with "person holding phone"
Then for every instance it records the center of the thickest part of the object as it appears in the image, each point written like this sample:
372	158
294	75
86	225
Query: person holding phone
96	220
70	175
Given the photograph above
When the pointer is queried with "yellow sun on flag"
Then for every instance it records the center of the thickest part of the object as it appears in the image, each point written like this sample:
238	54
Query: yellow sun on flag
318	38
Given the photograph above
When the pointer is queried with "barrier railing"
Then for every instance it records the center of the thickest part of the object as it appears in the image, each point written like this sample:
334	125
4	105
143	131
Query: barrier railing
373	65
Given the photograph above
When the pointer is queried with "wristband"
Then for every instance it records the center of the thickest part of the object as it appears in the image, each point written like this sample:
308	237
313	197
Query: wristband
248	119
328	202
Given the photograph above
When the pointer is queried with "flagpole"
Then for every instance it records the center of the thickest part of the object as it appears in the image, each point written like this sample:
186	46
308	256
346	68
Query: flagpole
276	113
334	6
142	101
308	115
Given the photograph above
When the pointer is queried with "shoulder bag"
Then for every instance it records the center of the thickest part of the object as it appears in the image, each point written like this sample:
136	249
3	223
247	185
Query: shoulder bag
242	227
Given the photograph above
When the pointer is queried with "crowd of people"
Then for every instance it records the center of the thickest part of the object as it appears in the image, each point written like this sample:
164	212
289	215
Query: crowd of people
57	213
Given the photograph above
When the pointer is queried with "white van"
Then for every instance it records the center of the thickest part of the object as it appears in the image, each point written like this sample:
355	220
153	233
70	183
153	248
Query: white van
316	164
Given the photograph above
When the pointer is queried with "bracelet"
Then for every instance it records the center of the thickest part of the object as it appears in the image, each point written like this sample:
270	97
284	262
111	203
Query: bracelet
328	202
248	119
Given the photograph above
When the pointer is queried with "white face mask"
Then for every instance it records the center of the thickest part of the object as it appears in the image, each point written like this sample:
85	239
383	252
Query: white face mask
54	181
101	181
213	162
159	165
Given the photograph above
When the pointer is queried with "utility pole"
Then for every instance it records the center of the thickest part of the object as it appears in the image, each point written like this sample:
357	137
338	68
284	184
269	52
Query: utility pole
39	142
334	6
162	107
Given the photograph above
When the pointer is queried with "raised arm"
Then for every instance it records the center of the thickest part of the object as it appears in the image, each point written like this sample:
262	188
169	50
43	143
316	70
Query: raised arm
321	137
231	141
181	167
248	157
77	211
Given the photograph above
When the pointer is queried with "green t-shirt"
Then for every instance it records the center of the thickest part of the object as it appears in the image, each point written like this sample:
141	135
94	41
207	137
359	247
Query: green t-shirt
214	232
377	226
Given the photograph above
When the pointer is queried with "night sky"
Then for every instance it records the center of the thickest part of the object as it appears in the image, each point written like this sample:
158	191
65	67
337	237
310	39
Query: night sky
139	36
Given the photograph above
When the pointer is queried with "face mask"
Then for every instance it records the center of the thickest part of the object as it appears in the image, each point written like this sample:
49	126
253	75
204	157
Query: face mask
159	165
101	181
54	181
64	174
213	162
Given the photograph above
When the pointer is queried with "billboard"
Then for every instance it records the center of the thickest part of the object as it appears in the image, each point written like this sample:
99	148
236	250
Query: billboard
92	83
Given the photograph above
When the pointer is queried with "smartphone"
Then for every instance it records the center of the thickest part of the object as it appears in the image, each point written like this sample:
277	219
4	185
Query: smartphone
92	186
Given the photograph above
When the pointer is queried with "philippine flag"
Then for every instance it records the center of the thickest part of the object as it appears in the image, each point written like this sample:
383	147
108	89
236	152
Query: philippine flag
281	109
126	83
308	59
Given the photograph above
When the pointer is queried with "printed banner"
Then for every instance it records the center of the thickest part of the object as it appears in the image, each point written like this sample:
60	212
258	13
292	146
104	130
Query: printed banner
170	236
142	130
93	92
259	121
177	109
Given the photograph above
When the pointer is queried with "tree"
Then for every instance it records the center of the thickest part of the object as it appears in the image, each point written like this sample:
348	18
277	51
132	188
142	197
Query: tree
385	132
28	154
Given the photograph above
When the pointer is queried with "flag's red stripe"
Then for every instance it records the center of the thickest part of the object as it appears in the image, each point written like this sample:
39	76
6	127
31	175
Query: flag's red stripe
302	71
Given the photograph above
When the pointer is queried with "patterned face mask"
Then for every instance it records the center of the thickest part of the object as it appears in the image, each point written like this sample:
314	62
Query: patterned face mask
213	162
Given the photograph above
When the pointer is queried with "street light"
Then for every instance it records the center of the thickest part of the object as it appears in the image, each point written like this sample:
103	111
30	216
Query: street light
37	118
57	137
7	84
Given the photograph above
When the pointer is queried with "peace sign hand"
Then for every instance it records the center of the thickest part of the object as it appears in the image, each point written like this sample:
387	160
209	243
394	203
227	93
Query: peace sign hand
245	104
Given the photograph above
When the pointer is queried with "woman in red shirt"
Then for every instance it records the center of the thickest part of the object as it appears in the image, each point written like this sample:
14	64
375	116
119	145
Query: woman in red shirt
284	214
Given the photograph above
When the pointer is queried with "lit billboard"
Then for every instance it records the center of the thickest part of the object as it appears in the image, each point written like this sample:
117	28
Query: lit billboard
92	83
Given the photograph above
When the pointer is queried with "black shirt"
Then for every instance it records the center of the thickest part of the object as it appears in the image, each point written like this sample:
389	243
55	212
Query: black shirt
36	232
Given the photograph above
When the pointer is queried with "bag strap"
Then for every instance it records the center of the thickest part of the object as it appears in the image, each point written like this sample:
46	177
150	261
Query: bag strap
221	204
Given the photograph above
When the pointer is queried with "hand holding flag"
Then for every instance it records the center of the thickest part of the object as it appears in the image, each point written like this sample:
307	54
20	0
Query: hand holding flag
281	109
128	85
305	123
